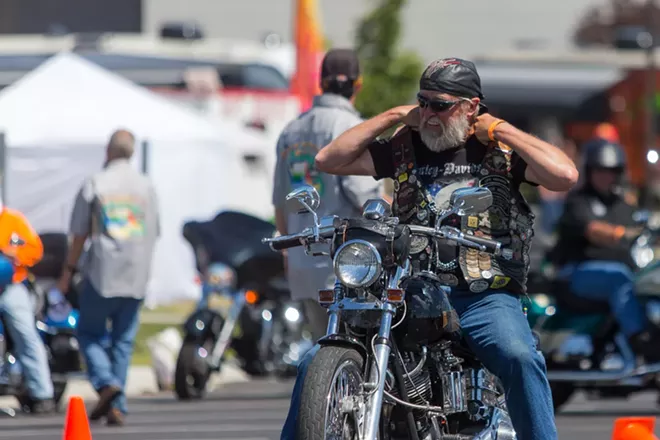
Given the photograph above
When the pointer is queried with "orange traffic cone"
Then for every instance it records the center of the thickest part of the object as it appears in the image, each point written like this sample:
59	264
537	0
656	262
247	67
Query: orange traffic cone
634	428
76	424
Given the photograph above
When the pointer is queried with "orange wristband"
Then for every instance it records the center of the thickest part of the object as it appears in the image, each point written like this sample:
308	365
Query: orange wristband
492	127
619	232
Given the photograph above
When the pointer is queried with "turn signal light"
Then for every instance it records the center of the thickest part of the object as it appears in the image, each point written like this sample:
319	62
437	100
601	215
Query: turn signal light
396	295
251	297
326	296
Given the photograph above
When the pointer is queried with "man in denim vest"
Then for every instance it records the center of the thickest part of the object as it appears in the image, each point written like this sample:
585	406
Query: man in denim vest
331	114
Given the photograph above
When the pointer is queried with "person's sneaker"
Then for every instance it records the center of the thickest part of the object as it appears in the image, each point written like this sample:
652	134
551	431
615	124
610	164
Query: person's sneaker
106	396
115	417
41	407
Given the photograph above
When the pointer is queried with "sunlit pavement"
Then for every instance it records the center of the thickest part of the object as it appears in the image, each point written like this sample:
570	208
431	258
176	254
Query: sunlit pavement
256	410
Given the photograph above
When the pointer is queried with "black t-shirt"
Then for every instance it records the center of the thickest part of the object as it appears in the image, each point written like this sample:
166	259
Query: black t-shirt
443	172
582	207
438	169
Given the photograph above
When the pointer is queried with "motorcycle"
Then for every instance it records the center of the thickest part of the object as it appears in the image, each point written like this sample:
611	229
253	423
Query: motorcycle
400	367
583	347
265	329
56	327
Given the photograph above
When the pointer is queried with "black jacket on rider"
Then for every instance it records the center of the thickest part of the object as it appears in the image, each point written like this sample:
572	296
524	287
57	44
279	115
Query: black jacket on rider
582	207
585	205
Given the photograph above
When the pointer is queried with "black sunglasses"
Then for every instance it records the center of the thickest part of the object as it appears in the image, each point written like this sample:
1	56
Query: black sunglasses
437	105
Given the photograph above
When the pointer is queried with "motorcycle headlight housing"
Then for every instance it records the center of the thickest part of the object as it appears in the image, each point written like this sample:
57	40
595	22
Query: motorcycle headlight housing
219	277
357	263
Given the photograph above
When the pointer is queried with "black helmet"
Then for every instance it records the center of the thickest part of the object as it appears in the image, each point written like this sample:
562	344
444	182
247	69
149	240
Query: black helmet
600	153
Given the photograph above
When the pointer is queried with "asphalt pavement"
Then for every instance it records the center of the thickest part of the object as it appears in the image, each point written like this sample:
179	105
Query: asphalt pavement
256	410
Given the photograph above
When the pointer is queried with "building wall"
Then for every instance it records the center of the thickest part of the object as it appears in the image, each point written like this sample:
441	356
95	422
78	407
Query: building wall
434	27
40	16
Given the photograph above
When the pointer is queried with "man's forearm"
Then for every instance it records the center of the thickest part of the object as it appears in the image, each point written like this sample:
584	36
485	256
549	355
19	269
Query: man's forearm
607	234
75	251
550	166
350	145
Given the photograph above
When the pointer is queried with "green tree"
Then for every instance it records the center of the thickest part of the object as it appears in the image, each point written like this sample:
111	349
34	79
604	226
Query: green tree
391	76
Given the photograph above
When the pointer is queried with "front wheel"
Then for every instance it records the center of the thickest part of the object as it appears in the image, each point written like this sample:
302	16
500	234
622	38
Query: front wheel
192	371
334	374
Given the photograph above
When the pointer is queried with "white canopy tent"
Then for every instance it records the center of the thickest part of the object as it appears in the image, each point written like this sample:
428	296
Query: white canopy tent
57	120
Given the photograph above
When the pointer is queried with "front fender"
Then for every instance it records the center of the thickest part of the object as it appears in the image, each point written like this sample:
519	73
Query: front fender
344	341
203	324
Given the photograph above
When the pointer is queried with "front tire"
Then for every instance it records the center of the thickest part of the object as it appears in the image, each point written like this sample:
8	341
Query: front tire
192	372
331	368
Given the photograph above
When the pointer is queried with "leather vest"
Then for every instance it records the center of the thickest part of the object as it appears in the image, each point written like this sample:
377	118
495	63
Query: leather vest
509	220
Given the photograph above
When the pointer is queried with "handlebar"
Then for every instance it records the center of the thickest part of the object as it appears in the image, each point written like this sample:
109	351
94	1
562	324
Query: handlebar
479	243
490	246
285	241
445	232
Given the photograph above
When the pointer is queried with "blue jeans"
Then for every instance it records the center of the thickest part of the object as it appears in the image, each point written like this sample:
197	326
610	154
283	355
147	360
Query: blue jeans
496	329
107	367
609	281
18	313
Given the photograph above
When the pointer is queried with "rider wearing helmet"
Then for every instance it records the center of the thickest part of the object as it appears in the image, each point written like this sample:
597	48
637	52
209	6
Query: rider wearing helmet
595	235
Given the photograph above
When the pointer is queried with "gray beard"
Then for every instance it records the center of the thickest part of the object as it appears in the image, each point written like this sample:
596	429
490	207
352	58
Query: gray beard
452	135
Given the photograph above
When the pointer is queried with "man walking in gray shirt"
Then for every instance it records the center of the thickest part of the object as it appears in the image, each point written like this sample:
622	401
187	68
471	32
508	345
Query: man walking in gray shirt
332	113
116	210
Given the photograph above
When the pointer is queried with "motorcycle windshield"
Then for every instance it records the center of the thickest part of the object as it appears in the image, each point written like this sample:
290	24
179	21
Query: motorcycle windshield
234	239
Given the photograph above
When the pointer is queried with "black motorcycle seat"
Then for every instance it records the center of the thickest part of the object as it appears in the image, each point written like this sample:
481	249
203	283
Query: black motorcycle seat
570	301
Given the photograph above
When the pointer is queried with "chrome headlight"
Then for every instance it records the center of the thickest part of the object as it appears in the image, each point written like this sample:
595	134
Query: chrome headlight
357	263
220	276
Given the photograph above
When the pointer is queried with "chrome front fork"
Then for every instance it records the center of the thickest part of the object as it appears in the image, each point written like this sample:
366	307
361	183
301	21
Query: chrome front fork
377	371
227	329
377	374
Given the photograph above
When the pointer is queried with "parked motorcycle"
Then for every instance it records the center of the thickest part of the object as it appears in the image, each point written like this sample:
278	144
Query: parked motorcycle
582	343
399	368
266	330
56	326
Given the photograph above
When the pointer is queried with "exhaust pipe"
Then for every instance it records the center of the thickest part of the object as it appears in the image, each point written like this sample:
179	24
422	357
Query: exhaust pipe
627	372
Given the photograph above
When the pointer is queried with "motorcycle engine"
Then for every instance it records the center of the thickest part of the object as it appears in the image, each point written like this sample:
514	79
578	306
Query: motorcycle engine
417	380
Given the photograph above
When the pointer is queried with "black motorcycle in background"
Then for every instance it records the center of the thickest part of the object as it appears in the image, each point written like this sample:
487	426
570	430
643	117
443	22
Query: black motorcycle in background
265	329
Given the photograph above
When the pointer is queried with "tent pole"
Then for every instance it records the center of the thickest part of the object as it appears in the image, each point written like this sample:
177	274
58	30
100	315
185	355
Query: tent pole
3	168
145	157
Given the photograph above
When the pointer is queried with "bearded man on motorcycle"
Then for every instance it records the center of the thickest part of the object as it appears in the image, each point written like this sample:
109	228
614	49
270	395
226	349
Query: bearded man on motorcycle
594	238
450	141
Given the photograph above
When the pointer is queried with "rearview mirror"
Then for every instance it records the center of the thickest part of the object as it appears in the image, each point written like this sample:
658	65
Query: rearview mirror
303	199
376	209
470	201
